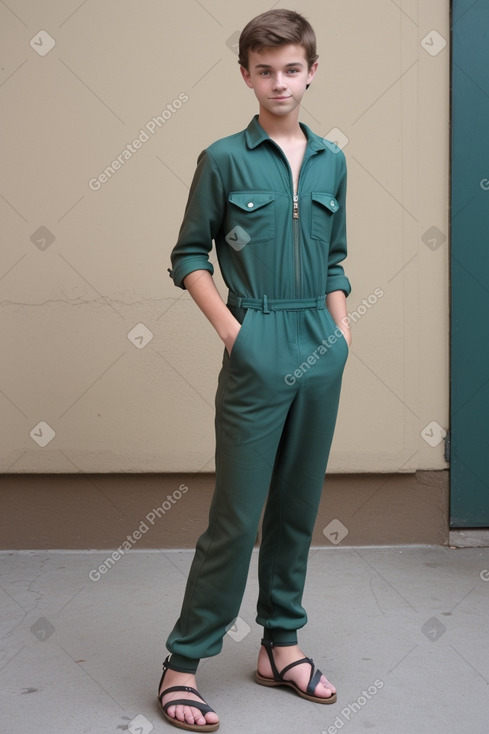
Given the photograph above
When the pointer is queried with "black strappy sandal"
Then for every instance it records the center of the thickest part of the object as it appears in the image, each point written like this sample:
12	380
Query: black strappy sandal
204	708
278	678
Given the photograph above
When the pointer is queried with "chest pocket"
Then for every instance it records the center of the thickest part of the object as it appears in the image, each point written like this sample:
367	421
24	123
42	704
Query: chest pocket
323	210
250	218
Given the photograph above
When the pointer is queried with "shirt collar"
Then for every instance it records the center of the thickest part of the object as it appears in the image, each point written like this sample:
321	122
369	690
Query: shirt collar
255	135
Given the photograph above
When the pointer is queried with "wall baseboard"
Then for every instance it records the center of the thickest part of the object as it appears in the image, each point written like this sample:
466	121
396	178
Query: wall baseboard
99	511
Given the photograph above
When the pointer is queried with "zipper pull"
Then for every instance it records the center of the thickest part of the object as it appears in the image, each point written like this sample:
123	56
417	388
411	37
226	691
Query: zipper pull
295	212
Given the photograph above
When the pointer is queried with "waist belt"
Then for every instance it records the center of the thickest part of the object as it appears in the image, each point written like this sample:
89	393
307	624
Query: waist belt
266	304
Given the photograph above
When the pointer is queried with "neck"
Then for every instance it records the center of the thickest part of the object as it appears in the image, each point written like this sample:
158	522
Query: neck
281	126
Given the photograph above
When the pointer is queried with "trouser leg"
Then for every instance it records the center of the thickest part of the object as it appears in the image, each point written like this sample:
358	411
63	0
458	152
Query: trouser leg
295	491
249	422
219	570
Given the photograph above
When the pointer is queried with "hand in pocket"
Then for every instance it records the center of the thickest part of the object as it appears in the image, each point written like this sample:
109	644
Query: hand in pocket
231	338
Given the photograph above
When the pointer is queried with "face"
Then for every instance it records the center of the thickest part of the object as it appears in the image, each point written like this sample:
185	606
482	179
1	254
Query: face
278	77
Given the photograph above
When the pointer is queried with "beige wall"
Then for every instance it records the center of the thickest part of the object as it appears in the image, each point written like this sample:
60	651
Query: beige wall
68	306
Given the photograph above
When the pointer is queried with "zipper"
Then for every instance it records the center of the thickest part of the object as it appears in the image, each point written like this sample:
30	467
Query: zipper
295	218
296	241
296	236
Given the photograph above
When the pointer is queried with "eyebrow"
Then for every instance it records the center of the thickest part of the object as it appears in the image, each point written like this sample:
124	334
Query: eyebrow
267	66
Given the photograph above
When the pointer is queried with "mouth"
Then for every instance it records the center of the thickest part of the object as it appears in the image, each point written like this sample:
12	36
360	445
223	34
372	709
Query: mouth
281	98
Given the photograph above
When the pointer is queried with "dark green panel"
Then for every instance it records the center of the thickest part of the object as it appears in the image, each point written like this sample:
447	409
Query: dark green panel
469	489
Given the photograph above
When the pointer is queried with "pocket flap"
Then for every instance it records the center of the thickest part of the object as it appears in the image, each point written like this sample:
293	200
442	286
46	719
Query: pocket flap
250	201
326	200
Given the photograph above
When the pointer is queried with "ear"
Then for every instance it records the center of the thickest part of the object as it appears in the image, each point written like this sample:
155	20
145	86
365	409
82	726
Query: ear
246	76
311	73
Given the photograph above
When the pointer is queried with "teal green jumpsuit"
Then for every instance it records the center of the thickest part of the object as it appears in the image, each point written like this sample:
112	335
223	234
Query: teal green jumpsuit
278	392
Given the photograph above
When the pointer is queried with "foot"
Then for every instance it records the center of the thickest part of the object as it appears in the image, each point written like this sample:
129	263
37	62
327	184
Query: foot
300	674
186	714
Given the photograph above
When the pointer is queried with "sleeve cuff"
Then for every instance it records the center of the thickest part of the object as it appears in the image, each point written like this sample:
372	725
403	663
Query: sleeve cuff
180	272
338	283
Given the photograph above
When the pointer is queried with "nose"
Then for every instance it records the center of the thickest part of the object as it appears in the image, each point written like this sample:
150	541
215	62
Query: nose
279	82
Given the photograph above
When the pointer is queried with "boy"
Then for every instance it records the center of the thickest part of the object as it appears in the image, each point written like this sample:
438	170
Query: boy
272	197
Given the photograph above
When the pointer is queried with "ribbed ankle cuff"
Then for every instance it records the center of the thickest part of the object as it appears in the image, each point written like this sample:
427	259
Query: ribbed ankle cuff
280	637
182	664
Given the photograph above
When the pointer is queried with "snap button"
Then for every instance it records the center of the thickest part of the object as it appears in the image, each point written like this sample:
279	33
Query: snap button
251	205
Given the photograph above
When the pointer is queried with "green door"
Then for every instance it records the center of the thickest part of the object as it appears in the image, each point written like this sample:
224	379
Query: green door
469	419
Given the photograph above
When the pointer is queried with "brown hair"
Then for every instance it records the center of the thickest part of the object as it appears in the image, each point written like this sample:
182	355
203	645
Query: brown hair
277	28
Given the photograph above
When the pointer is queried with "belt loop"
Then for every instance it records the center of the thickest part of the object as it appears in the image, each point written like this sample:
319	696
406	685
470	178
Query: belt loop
265	305
321	302
234	300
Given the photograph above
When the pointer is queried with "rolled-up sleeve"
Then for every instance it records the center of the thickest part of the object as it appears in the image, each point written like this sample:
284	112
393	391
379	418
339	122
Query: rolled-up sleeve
201	222
337	280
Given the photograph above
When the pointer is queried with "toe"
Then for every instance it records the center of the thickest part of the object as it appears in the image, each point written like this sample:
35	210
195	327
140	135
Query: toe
195	716
192	715
180	712
211	718
325	688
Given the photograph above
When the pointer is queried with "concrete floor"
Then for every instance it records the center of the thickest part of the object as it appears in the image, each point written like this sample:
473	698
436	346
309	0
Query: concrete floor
402	631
